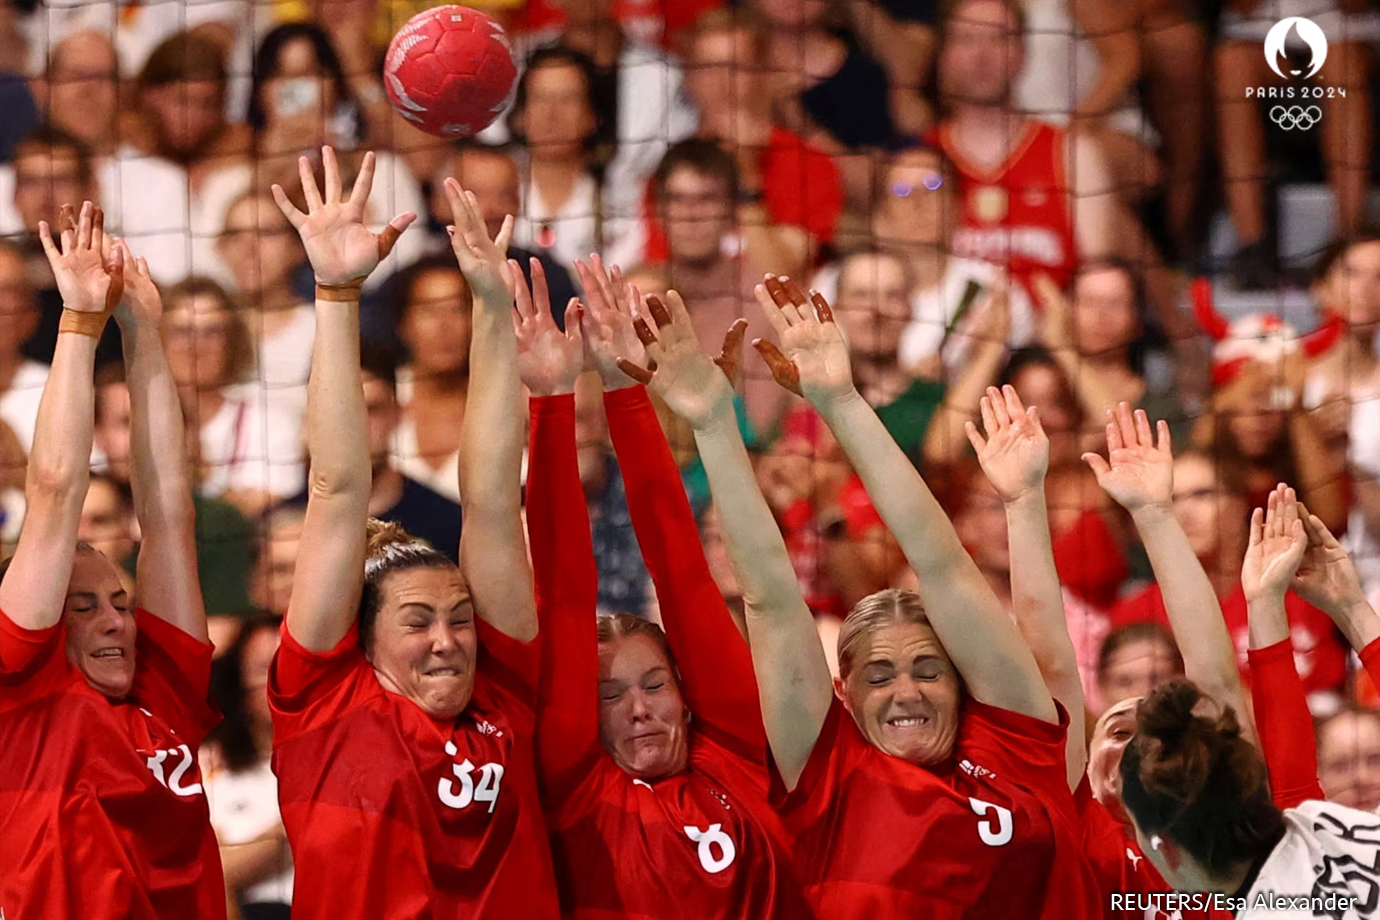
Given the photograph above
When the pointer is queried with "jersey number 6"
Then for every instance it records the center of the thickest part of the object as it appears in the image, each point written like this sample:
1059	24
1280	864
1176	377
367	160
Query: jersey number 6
994	834
490	779
708	839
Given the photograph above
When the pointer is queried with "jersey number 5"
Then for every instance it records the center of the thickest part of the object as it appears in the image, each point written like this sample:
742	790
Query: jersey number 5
708	840
174	782
993	833
490	779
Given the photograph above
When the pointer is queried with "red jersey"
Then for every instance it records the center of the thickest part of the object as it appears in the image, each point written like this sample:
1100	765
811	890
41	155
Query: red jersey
704	843
1319	651
102	814
394	815
992	834
1287	736
1122	869
651	21
1020	214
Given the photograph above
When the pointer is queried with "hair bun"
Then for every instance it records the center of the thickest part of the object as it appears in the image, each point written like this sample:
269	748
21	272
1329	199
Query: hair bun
380	535
1167	713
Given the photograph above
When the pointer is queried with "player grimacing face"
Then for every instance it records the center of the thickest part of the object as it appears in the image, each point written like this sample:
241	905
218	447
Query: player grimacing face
904	693
423	645
642	716
99	617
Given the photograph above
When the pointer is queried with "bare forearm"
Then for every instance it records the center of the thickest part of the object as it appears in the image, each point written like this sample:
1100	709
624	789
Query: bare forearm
1358	621
945	441
754	542
60	459
337	420
1195	616
491	437
1036	596
1269	622
1322	472
160	481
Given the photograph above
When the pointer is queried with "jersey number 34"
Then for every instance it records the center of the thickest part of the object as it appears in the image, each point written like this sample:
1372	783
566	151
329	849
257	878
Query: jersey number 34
466	792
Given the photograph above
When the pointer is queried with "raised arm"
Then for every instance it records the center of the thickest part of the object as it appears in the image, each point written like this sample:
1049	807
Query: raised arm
982	641
1139	476
793	680
493	553
329	578
566	579
1277	546
1015	458
91	282
167	582
715	663
944	440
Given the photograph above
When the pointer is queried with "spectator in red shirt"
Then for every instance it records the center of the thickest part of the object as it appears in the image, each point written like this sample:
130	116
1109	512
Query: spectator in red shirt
1212	507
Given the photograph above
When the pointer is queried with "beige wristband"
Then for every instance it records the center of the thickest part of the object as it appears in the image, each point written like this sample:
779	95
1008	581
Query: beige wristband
347	292
88	324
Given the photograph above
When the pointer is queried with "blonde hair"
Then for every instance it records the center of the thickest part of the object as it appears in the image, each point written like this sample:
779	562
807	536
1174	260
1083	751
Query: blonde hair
884	608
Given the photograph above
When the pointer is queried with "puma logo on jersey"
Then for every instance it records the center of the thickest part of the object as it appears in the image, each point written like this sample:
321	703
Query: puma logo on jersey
638	782
487	728
1135	860
967	766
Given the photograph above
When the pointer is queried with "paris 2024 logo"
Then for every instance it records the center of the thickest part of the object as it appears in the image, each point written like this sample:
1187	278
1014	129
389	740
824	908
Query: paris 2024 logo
1295	84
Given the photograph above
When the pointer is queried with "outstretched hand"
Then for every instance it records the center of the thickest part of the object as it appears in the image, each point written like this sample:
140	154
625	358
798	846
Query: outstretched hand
88	269
484	261
1015	453
694	387
549	360
1138	472
813	359
142	303
342	250
1278	543
1326	576
611	305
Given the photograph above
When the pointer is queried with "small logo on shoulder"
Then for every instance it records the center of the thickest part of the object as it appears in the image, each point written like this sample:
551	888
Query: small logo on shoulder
488	728
967	766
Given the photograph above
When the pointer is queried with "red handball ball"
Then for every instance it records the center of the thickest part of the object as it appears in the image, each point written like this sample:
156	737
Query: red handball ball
450	71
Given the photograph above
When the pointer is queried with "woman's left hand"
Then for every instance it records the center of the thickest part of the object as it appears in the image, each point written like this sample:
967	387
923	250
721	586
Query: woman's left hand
549	361
1015	453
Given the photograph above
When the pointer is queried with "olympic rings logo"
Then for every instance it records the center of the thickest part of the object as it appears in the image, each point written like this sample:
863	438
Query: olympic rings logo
1295	116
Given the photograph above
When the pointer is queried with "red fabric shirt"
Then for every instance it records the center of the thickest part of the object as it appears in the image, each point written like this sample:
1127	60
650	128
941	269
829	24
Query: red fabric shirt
1286	726
1319	652
102	814
801	187
704	843
394	815
1121	867
994	834
1019	214
659	21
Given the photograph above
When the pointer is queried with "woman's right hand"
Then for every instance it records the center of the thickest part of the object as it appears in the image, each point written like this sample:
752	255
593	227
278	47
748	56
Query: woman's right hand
1326	576
1277	546
89	271
694	387
549	361
611	305
342	250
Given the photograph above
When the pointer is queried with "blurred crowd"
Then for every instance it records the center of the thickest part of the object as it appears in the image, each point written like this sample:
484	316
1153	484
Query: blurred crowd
987	192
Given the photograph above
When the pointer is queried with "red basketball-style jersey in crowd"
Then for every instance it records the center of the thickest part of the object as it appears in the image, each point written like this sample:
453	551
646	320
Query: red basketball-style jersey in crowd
102	814
394	815
657	22
993	833
704	843
1121	866
1020	214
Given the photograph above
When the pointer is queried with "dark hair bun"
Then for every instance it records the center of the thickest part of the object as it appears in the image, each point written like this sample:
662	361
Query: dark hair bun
1180	746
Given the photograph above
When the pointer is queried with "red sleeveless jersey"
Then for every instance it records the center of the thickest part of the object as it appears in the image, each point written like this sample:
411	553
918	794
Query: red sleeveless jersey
1020	214
102	813
393	815
992	834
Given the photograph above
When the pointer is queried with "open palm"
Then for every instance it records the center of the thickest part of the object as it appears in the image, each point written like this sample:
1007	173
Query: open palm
1015	453
89	272
611	305
549	361
1326	576
813	358
340	247
1138	472
693	385
1277	546
483	261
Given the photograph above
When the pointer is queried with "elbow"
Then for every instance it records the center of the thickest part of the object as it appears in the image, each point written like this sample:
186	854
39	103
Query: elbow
334	482
58	481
